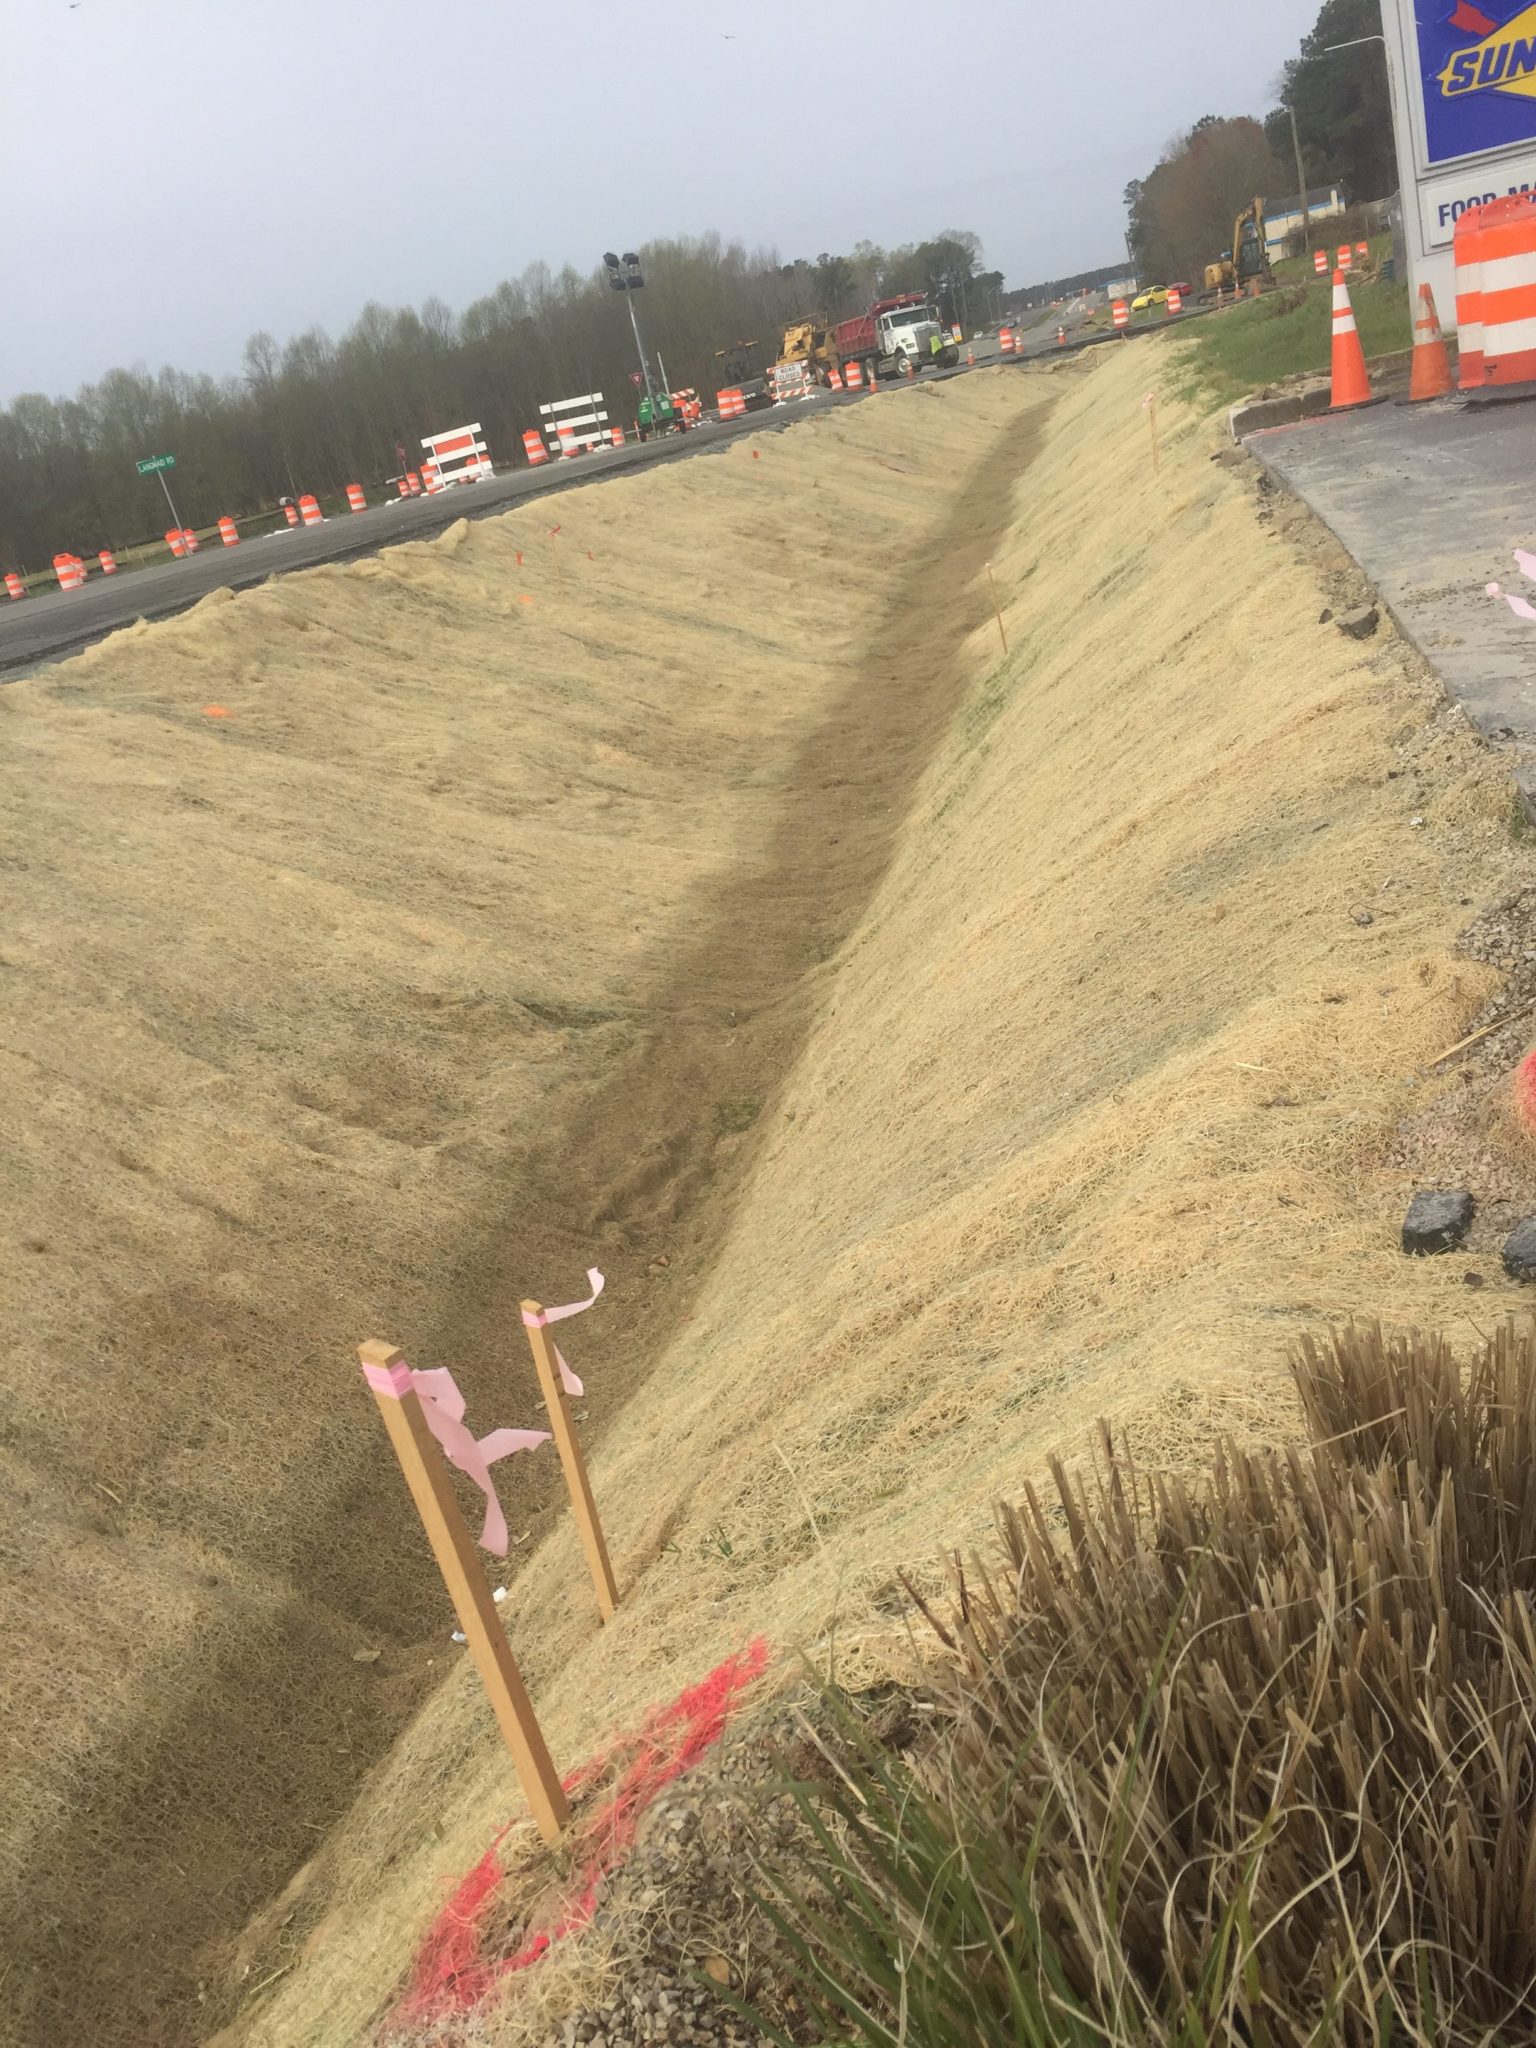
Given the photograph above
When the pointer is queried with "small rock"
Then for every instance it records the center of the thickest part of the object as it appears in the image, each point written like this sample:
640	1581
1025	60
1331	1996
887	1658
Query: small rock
1473	1280
1363	918
1325	618
1520	1251
717	1968
1359	624
366	1656
1439	1222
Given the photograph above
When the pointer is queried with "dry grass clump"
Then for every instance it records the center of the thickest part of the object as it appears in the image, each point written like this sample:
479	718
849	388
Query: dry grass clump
1252	1761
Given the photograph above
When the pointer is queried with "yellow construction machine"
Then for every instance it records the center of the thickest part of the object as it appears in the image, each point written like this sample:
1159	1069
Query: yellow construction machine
1245	266
809	342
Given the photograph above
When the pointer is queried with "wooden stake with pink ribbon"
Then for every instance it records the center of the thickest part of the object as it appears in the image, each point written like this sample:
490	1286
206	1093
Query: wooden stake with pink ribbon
558	1383
423	1410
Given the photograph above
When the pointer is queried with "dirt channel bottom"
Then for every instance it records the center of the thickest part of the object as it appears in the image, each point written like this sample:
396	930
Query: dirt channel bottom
387	944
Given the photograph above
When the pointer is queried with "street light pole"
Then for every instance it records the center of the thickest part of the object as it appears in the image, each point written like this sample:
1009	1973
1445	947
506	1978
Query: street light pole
626	277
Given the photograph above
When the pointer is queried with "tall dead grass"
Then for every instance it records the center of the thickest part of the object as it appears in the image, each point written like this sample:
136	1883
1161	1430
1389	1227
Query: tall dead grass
1251	1760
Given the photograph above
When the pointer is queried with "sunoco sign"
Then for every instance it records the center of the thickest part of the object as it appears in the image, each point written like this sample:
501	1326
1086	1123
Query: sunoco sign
1463	76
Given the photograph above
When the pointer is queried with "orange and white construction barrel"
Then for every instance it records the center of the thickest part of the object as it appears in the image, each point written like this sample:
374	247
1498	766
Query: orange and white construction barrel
309	511
1471	373
1507	289
355	498
1122	315
229	533
534	449
107	560
14	587
176	541
70	571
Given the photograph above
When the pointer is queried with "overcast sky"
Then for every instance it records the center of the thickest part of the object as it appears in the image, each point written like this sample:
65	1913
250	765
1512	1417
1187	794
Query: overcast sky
178	173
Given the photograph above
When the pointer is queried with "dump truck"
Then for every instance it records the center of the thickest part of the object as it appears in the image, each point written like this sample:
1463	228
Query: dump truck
893	334
1245	266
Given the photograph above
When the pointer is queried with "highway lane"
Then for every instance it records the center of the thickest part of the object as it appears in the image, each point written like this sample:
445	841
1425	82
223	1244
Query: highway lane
48	625
51	624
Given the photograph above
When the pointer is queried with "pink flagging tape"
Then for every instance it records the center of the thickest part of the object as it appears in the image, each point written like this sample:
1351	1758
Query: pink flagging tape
568	1379
443	1406
389	1379
1520	606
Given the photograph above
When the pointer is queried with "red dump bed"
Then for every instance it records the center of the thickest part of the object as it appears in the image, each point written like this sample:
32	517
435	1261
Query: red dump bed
857	337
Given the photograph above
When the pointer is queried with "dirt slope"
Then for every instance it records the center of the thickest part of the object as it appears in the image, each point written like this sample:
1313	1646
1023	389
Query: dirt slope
382	946
1096	1111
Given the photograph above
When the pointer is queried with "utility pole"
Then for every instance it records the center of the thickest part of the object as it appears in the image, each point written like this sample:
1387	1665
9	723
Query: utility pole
1301	181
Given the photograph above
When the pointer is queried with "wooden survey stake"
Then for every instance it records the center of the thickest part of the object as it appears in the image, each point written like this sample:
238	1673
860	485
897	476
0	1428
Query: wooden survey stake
452	1545
572	1462
998	608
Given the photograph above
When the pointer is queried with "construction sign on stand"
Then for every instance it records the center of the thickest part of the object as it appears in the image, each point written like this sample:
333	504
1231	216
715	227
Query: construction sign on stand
1463	80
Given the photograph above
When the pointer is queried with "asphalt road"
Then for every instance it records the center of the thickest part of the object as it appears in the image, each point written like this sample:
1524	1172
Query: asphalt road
1432	502
50	624
46	626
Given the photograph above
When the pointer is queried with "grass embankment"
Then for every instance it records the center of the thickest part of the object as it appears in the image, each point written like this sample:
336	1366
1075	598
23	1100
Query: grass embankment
1288	333
1099	1106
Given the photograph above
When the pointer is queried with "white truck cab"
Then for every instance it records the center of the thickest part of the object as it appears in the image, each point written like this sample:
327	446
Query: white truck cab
911	331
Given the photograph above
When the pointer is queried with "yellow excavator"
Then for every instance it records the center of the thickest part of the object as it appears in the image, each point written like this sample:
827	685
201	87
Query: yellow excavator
1245	266
809	342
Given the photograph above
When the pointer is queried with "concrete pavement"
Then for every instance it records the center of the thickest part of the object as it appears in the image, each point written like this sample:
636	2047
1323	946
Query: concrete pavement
1432	502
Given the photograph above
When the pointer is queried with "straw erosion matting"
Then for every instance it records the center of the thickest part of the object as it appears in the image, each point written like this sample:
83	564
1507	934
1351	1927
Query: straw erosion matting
1098	1108
383	946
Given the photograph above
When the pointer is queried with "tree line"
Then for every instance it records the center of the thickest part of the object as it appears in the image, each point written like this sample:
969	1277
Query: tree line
314	413
1182	212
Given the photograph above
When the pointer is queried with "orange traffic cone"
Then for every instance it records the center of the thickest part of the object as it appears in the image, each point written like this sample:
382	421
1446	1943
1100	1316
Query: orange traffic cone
1351	385
1061	337
1431	364
970	359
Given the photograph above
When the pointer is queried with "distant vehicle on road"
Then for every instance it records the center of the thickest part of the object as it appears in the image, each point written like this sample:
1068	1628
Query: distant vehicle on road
892	334
1155	295
1185	291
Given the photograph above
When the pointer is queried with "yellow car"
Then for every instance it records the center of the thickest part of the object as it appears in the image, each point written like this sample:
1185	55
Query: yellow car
1157	295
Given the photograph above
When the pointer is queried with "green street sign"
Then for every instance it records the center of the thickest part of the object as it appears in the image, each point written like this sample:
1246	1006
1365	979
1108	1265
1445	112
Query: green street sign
155	462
